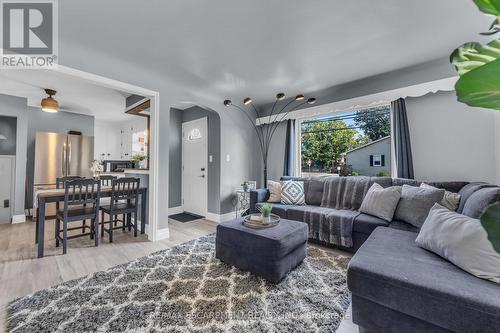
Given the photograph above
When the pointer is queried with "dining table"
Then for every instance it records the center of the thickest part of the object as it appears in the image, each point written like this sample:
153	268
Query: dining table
47	196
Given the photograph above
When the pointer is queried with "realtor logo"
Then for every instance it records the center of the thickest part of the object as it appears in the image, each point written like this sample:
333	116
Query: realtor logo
29	34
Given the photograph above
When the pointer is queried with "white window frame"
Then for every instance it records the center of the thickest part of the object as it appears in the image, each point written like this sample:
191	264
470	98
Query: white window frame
298	137
377	160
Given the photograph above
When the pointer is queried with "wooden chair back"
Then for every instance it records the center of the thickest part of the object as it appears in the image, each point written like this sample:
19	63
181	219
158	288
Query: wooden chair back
82	192
125	189
107	180
61	180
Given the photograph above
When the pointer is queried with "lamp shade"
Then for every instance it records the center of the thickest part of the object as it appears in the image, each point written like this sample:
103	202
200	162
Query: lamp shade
49	104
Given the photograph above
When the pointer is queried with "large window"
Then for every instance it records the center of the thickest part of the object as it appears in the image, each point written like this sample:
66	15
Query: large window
351	143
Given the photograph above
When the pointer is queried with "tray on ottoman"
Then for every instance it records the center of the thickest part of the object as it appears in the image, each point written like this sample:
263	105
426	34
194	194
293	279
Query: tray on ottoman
270	253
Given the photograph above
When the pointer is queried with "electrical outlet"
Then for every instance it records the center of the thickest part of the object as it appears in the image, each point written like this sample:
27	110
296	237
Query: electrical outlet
6	203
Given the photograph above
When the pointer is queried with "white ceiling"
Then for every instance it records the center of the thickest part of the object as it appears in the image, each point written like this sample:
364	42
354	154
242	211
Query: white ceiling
229	48
73	94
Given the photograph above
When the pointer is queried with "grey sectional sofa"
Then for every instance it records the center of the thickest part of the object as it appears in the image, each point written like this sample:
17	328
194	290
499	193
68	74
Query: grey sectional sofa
364	224
399	287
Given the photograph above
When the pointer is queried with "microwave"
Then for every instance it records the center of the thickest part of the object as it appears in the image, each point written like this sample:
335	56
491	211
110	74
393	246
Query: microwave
117	166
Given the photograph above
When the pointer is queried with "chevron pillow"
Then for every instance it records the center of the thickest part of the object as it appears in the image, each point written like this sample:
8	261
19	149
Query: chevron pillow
292	193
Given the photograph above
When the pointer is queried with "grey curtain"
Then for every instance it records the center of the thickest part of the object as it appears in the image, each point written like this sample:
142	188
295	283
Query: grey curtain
288	168
401	132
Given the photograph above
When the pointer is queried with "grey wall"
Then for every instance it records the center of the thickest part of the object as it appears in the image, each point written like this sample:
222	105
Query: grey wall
175	170
177	117
276	158
450	140
17	107
8	128
359	159
60	122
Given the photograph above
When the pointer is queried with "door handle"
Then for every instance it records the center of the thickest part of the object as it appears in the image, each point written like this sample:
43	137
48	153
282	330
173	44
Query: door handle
202	176
64	164
202	169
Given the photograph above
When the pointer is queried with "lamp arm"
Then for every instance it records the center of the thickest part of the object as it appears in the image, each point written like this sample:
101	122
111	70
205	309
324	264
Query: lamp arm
282	118
260	135
269	120
268	136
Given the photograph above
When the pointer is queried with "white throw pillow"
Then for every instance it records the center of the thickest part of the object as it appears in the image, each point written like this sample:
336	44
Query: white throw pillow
292	193
274	191
381	202
450	200
462	241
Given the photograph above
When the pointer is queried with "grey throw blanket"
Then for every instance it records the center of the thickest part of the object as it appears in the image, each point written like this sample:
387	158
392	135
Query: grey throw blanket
333	221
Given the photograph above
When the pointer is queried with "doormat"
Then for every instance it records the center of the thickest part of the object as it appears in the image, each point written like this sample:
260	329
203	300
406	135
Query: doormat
185	217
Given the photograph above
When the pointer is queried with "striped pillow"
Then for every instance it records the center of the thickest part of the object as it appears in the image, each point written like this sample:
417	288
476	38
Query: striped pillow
292	193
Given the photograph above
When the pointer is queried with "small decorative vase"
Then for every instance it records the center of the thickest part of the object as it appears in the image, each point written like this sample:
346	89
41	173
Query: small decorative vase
266	218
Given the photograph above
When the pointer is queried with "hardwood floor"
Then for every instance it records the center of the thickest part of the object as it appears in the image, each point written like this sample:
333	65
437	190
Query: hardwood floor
21	273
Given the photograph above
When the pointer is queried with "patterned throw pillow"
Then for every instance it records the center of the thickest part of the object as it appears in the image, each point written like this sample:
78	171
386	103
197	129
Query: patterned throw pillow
292	193
274	191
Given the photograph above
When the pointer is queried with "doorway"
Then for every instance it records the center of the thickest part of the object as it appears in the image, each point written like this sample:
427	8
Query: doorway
7	175
194	166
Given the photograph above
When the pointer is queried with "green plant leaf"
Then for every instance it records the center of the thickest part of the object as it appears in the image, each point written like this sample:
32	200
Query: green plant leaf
489	6
480	87
490	220
473	55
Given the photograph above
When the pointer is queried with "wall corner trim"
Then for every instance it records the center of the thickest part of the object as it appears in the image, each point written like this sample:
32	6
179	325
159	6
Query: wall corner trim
18	219
162	234
217	218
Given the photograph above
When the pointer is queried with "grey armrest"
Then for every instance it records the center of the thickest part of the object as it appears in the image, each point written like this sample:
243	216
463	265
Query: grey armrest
256	196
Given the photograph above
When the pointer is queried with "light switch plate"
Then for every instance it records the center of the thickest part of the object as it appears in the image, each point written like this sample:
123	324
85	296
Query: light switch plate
228	158
210	158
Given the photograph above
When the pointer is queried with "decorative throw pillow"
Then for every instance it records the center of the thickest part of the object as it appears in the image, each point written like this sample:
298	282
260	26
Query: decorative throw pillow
461	240
292	193
274	191
415	204
381	202
450	200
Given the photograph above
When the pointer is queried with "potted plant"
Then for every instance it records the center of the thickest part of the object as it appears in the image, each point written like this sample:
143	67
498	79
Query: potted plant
138	160
266	212
478	67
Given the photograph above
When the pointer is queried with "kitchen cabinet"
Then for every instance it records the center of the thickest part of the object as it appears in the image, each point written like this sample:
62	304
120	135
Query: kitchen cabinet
108	139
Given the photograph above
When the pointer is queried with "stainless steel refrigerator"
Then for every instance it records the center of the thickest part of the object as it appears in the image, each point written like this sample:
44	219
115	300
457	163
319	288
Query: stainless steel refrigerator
60	155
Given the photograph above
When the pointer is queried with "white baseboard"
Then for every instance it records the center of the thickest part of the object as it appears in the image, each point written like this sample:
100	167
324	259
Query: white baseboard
218	218
18	219
175	210
162	234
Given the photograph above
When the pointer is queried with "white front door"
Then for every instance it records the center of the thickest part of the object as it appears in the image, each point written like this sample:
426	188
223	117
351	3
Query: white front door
6	179
194	166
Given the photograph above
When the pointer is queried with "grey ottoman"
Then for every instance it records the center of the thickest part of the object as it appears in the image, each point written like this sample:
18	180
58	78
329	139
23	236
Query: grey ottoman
270	253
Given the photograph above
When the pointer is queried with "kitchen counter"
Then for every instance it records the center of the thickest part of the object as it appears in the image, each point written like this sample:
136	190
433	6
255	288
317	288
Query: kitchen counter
136	171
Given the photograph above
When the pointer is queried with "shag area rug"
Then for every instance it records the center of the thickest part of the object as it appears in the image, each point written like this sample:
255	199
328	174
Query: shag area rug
185	289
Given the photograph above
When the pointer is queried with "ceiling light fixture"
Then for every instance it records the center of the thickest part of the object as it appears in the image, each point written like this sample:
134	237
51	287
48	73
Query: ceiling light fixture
299	97
247	101
49	104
